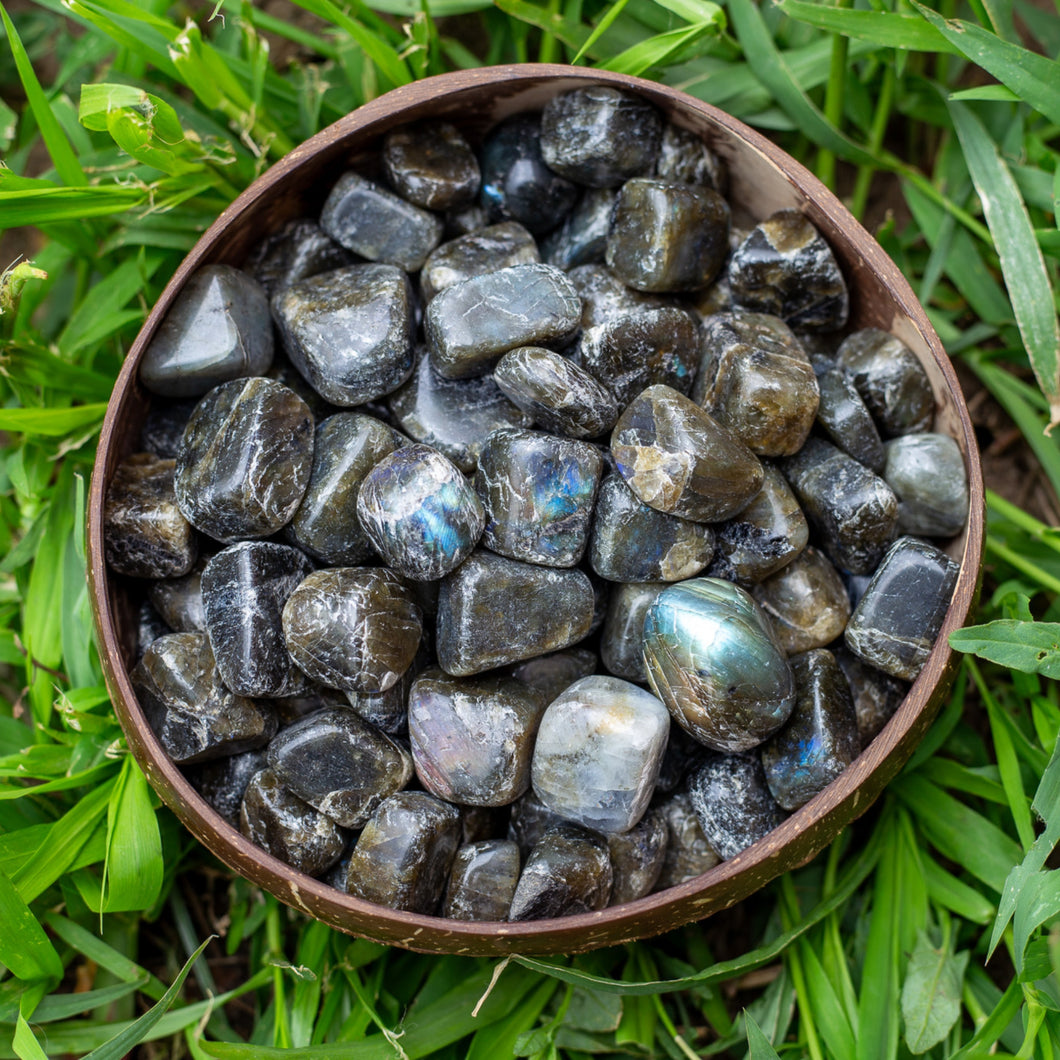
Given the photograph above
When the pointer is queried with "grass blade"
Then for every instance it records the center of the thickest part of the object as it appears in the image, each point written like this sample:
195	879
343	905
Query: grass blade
24	947
931	993
758	1046
132	872
886	30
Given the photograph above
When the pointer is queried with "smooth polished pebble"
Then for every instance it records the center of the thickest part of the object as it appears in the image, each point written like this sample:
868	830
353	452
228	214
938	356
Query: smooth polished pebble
472	737
149	627
876	695
480	627
222	782
927	474
483	880
551	674
463	220
179	600
244	589
473	323
896	623
806	602
189	709
485	250
420	513
847	421
349	331
598	753
820	739
389	711
371	221
684	156
164	426
431	165
217	329
712	658
528	821
622	640
637	857
582	238
786	268
559	395
145	533
405	853
340	764
667	236
297	251
354	628
537	491
245	460
677	459
688	854
568	872
604	296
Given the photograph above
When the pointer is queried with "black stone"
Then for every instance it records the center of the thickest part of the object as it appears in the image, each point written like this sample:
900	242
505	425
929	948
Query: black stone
430	164
568	872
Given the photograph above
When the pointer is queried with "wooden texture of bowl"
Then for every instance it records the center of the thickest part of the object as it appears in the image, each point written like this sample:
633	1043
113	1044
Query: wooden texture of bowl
763	179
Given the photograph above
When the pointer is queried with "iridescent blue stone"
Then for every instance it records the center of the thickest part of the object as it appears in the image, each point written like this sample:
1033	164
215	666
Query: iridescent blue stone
537	490
926	472
568	872
420	512
713	660
485	250
622	640
582	238
483	881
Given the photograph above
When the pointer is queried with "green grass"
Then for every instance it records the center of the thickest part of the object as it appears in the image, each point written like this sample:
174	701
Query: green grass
930	927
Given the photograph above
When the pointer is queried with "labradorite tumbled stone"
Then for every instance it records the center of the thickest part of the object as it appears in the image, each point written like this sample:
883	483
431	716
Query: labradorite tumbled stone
405	853
420	513
431	165
684	156
637	857
244	463
604	296
145	533
568	872
598	753
388	711
847	420
667	236
622	640
766	536
712	658
297	251
244	588
149	627
688	854
164	427
639	349
222	782
179	600
806	602
677	459
486	250
528	821
876	695
377	224
733	803
582	238
217	329
482	881
556	393
890	379
191	712
820	739
472	737
471	324
493	611
349	331
926	472
854	512
517	185
288	828
354	628
537	490
346	447
785	267
634	543
340	764
895	624
551	674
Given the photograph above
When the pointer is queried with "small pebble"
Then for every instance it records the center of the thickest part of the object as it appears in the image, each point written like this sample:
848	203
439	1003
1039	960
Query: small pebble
847	421
478	253
431	165
622	641
688	854
637	857
582	238
926	472
568	872
297	251
483	881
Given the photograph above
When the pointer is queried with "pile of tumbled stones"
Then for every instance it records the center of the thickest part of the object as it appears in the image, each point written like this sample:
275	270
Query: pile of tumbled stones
548	457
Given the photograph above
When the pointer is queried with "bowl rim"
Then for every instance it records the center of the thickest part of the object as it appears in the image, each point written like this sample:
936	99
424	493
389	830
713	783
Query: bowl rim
799	838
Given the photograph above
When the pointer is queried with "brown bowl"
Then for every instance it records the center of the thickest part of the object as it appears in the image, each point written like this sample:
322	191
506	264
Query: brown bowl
763	179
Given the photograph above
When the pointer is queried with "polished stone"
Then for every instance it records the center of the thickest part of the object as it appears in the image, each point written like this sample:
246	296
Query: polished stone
688	854
622	640
244	589
349	331
806	602
677	459
853	511
297	251
389	710
405	853
558	394
179	600
472	737
245	460
493	611
876	695
568	872
637	857
377	224
684	156
895	625
537	491
530	819
604	296
551	674
667	236
308	700
480	252
164	427
222	782
712	658
926	472
354	628
464	220
482	881
582	238
473	323
145	533
191	712
149	627
820	739
847	421
340	764
634	543
786	268
217	329
431	165
420	513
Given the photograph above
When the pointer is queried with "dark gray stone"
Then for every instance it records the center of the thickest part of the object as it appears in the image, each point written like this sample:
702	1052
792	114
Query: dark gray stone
431	165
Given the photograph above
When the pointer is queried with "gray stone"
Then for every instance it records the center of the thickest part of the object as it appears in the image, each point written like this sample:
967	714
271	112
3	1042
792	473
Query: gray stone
477	253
